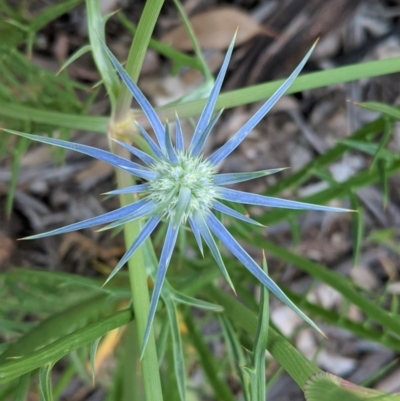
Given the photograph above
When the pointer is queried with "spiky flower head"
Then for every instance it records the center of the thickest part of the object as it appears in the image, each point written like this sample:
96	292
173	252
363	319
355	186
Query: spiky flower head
184	185
183	188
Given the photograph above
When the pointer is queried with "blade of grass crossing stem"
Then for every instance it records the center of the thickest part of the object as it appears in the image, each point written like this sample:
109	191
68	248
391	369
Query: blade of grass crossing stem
103	64
178	358
235	353
304	82
45	382
226	100
358	227
260	343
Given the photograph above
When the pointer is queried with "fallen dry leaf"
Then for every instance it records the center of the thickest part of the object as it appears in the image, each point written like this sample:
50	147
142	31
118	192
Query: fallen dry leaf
215	28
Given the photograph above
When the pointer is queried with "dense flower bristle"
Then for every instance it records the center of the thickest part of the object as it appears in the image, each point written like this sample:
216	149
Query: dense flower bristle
193	173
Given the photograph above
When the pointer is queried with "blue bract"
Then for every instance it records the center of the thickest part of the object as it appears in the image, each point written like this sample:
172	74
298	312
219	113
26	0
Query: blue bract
183	186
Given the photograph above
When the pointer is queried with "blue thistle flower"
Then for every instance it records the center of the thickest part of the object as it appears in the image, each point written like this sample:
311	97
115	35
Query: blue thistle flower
184	186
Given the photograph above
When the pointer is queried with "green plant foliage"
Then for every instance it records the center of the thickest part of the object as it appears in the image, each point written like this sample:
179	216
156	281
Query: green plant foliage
47	317
334	388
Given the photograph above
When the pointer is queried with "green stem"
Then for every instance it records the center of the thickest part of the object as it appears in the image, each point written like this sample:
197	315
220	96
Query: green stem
140	300
136	265
137	52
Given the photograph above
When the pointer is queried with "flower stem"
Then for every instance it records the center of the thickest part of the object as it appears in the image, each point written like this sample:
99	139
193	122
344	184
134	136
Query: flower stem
140	300
137	270
137	52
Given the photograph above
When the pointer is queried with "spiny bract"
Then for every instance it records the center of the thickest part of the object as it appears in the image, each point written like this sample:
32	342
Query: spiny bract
183	185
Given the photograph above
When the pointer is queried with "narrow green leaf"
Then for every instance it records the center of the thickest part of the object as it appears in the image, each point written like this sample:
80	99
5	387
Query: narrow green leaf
57	119
298	367
340	283
387	133
372	149
227	100
162	340
45	382
196	46
260	343
333	388
179	366
359	180
14	368
304	82
358	227
197	303
93	352
136	55
179	58
51	13
387	238
337	319
382	108
78	358
103	64
208	361
79	53
235	354
23	387
55	327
